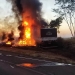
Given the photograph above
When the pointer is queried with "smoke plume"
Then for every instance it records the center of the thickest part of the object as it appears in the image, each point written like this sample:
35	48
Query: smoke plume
20	6
29	11
34	5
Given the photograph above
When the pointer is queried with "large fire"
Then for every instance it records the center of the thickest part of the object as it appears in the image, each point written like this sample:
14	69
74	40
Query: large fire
28	15
27	39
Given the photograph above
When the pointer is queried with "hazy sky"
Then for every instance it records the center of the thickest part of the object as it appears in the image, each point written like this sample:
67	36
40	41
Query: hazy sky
48	14
5	10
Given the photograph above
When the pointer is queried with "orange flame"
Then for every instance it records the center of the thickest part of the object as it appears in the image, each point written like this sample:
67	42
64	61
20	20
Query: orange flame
27	37
27	65
25	23
8	43
27	33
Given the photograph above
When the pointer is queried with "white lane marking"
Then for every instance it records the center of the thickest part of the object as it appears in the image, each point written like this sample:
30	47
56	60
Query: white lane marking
70	64
59	64
0	53
6	61
48	63
9	55
1	60
32	59
11	66
55	64
19	57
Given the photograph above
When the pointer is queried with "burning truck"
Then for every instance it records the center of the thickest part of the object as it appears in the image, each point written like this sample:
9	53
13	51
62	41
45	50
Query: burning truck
47	37
30	29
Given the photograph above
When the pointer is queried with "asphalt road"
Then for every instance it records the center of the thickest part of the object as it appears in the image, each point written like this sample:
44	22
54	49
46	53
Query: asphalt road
16	64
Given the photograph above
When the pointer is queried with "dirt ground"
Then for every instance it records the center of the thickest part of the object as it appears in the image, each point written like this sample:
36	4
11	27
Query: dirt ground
39	54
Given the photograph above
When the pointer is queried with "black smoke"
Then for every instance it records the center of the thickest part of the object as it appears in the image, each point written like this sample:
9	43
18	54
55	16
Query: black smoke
11	36
3	36
34	6
20	6
23	5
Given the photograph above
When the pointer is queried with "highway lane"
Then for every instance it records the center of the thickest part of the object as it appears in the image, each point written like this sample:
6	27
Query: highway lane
16	64
8	69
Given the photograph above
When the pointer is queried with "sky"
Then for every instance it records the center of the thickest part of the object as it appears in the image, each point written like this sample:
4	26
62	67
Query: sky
47	14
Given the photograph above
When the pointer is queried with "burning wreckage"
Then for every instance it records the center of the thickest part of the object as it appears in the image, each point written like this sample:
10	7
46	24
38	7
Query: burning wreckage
31	28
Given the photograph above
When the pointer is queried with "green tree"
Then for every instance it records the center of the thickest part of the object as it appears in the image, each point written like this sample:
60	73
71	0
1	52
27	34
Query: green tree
56	23
66	9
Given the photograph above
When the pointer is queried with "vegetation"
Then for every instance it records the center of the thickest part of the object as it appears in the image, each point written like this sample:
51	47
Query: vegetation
56	23
68	44
66	9
66	47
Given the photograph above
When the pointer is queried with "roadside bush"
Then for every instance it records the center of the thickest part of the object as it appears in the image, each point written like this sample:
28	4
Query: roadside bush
70	43
60	42
67	44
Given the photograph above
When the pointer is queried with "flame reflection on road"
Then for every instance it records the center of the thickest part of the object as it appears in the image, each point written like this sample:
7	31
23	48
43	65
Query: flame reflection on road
30	65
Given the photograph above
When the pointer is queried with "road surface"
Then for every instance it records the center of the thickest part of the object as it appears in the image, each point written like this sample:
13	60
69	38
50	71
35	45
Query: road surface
16	64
